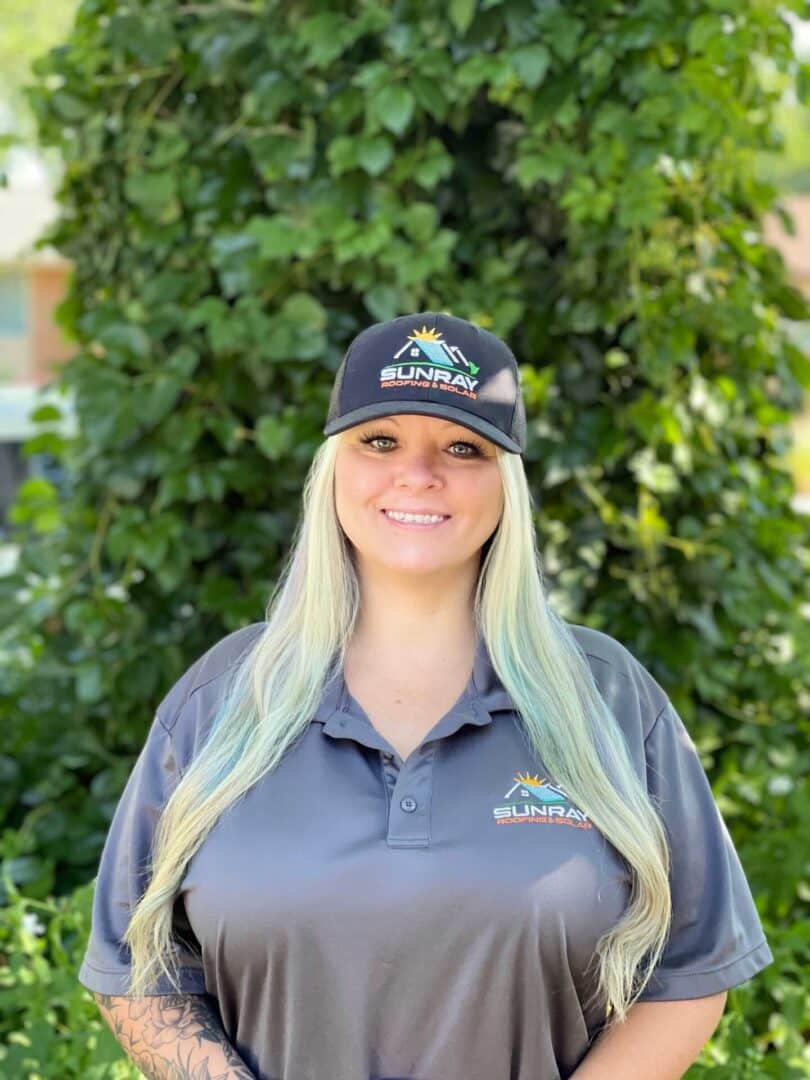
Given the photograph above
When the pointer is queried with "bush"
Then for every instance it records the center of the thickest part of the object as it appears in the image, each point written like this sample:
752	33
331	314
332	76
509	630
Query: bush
50	1025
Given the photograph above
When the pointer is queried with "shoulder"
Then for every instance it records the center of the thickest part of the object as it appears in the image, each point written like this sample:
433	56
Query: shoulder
204	675
634	695
604	649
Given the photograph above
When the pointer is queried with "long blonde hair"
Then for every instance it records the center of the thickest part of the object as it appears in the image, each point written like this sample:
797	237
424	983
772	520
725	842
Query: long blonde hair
271	695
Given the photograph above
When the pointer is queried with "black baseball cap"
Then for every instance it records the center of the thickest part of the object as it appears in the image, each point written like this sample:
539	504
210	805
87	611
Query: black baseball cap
433	364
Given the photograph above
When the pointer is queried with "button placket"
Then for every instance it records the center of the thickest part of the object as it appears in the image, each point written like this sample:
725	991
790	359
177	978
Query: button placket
408	802
390	768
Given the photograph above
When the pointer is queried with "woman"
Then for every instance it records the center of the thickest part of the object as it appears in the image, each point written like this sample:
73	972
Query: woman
337	800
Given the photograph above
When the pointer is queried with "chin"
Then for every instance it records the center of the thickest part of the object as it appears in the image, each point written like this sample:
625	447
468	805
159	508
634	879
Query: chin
419	565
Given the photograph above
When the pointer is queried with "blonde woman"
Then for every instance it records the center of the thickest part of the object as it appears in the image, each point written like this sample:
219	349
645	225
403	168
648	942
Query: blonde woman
413	824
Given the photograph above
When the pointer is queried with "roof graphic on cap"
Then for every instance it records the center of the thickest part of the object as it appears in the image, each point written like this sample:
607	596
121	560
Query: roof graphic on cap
437	350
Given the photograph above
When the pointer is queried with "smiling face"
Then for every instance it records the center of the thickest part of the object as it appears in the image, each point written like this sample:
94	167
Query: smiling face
417	464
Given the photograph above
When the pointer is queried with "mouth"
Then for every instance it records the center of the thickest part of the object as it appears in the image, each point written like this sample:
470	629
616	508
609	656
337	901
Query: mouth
415	525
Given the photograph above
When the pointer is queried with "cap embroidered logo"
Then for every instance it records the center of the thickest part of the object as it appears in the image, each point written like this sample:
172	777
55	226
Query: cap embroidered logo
447	367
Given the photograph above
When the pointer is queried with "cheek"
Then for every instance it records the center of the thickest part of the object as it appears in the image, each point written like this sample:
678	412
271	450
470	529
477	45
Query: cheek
355	484
485	494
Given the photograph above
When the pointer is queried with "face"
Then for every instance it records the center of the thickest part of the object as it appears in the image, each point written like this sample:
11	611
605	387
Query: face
417	463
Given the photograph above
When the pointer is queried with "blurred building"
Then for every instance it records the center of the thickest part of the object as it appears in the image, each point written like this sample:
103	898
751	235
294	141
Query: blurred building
32	283
794	247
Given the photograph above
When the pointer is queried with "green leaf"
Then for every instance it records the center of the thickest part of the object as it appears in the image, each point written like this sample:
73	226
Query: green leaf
145	36
69	106
562	32
273	437
393	107
170	148
90	682
420	222
461	13
278	237
481	68
326	35
126	339
155	193
791	302
530	168
160	397
45	412
374	153
531	62
431	96
341	153
702	30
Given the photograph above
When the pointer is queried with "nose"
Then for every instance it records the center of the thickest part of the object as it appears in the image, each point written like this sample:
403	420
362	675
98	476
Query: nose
417	467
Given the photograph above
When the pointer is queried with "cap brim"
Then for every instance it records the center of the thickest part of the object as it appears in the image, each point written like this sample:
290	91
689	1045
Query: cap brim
423	408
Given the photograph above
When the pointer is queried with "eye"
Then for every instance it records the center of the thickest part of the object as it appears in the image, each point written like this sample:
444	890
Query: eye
476	448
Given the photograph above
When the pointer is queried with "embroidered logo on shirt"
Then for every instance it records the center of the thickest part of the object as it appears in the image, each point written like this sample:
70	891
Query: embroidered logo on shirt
447	367
534	800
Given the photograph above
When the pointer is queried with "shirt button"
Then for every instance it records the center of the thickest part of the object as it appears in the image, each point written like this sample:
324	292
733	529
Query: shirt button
408	804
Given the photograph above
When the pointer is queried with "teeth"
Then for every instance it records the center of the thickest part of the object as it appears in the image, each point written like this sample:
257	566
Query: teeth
422	519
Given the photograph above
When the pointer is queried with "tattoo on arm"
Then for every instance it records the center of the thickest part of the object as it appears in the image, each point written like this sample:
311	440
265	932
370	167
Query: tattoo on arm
173	1036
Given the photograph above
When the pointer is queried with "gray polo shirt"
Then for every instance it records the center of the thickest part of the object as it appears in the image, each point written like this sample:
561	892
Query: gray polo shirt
357	917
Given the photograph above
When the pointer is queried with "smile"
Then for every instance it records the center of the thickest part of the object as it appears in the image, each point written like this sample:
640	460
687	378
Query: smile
415	521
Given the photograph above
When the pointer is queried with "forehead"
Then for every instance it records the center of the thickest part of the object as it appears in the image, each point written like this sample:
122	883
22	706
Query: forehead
417	420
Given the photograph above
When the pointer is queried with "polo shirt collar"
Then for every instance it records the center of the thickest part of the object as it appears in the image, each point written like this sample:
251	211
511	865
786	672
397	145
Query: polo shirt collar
483	696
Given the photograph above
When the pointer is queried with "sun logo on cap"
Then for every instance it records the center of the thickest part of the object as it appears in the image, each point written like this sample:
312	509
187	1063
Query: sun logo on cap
425	335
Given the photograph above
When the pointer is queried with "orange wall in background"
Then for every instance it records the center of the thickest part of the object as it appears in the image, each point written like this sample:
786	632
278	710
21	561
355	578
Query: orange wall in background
49	347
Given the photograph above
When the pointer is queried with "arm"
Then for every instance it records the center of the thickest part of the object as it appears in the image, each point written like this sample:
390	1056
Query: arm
173	1036
659	1040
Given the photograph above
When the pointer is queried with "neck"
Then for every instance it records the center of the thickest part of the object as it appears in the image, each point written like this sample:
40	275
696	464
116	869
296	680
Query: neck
425	622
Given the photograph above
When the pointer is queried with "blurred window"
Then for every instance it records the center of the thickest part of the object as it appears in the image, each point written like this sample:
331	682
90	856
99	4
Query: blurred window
13	308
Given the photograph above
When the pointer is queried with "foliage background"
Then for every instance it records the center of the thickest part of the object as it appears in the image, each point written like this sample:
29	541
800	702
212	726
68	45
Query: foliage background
245	188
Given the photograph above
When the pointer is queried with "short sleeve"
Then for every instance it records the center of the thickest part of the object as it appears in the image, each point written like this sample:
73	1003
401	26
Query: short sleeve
122	877
716	940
